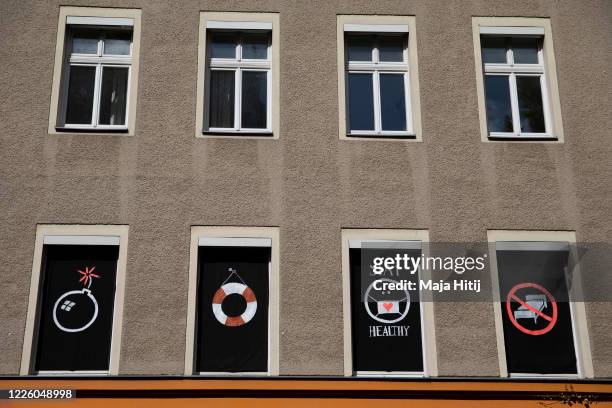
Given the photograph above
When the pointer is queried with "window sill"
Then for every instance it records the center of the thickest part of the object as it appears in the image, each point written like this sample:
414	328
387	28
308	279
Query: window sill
97	131
407	137
206	134
525	137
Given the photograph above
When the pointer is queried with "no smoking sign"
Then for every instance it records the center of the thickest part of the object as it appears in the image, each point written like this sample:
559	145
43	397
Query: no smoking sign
539	305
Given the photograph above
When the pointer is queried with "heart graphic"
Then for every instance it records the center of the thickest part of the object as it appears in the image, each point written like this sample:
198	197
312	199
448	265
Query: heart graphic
388	306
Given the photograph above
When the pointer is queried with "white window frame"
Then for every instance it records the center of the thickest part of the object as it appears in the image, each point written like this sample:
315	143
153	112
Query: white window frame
93	16
99	61
546	69
539	240
512	70
238	65
375	68
240	237
116	235
353	238
404	25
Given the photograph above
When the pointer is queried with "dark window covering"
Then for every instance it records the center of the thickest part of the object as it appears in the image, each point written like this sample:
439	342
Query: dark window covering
87	350
549	353
221	348
398	353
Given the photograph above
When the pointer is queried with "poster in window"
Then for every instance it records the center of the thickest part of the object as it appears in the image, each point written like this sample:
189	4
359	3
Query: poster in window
232	312
386	324
536	314
75	312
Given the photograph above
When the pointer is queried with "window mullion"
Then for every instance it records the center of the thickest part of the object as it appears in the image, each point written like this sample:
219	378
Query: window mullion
377	113
238	99
516	121
97	95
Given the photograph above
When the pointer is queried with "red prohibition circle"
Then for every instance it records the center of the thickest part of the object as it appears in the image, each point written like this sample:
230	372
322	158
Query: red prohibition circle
552	320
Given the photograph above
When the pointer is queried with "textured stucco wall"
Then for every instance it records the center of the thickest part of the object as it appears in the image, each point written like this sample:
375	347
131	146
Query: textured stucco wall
162	180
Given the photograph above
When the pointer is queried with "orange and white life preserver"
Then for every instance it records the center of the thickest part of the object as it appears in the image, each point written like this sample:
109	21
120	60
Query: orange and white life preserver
230	289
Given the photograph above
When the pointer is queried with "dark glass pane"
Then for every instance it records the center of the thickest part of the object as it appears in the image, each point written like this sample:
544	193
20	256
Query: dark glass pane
79	105
221	109
113	99
361	102
494	50
255	46
360	47
499	110
223	45
530	104
392	102
254	99
85	41
117	42
391	48
525	50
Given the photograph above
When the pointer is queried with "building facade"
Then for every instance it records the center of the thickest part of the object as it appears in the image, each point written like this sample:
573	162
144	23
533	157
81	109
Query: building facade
161	129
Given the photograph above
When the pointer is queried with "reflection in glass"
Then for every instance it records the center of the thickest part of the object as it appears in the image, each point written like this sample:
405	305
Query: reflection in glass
525	50
117	42
254	99
113	96
223	45
530	104
361	102
499	110
493	50
84	42
255	46
79	106
392	102
391	49
221	106
360	47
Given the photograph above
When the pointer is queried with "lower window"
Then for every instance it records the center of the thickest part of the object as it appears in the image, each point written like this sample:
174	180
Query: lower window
232	317
537	317
76	301
386	322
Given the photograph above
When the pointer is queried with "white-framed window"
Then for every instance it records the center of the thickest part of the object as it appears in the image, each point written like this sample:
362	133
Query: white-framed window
387	332
76	300
238	78
232	326
541	327
95	91
377	83
96	71
518	95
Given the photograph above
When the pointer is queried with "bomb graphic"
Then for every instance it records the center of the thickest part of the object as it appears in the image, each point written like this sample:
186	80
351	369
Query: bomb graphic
76	310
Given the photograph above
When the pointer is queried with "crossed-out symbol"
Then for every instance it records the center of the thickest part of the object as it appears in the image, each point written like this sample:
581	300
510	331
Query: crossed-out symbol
531	309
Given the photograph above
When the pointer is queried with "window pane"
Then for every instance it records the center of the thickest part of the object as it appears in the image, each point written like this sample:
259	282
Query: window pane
223	45
360	47
494	50
391	48
530	104
255	46
525	50
221	110
254	99
84	42
361	102
499	110
114	95
79	105
117	42
392	102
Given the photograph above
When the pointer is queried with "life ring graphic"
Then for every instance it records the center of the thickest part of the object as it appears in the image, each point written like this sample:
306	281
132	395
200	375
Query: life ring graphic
230	289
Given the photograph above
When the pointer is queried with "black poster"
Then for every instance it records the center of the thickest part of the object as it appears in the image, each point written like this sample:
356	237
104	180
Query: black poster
536	314
76	302
232	314
386	324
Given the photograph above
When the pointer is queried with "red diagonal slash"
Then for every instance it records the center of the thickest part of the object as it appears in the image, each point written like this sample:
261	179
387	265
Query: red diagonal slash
533	309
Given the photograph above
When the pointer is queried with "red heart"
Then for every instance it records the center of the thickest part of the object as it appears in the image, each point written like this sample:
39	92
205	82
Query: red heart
388	306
